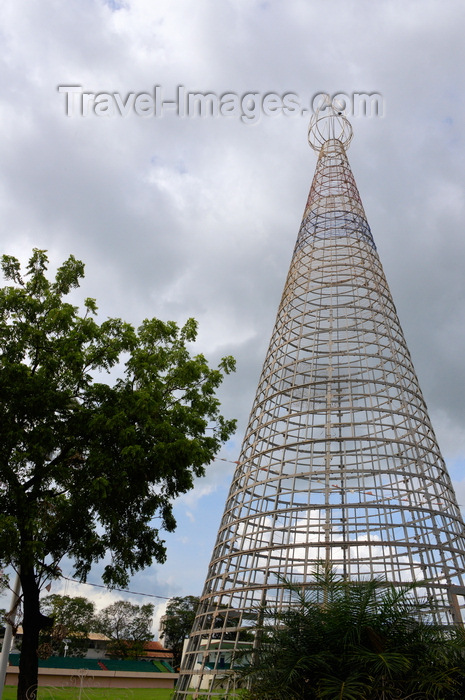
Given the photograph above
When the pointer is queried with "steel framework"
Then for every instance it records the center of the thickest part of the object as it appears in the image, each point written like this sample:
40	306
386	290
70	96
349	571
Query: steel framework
339	461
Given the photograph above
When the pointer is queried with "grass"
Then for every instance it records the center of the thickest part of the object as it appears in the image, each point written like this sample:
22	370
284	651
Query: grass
45	693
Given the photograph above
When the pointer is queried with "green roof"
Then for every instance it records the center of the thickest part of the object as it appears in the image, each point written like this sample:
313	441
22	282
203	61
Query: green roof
76	663
130	665
72	662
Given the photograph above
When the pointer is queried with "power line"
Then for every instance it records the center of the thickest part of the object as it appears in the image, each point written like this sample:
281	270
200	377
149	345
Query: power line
120	590
123	590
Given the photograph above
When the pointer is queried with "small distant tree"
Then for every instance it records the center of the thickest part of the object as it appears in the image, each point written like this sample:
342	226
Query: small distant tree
4	579
3	586
128	627
89	468
177	624
73	620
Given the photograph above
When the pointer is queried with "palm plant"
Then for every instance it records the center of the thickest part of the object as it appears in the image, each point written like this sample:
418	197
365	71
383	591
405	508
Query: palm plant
343	640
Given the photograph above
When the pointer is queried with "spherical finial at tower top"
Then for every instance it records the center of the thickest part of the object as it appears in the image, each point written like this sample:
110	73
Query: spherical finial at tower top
329	123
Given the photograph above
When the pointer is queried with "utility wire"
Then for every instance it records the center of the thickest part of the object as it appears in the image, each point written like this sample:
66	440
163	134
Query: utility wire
124	590
120	590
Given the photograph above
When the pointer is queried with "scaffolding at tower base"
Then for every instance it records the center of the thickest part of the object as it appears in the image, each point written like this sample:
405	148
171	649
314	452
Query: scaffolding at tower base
339	462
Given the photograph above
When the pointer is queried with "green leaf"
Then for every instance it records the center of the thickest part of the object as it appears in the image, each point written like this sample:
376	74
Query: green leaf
88	467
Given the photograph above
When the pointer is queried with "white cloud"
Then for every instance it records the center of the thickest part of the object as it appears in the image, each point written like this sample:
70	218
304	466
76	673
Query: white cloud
198	217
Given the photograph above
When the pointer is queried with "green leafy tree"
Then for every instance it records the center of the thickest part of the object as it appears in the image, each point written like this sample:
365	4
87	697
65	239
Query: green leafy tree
177	624
342	640
128	627
4	579
86	464
73	620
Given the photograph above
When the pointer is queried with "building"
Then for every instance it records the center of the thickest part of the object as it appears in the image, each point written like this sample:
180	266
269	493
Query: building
96	669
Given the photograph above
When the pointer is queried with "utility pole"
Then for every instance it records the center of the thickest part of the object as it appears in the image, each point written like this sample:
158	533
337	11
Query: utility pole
7	639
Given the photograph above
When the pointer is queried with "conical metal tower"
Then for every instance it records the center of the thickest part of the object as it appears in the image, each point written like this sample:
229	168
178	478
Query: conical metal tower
339	461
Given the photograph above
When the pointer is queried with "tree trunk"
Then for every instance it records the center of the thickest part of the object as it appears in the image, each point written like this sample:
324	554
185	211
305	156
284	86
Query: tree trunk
29	662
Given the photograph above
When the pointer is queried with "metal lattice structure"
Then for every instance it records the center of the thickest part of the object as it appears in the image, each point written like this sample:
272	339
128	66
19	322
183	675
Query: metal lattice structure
339	462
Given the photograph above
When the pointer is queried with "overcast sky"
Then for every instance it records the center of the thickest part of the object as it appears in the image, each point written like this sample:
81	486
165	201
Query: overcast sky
189	216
